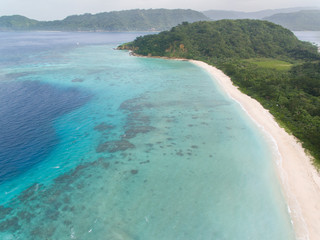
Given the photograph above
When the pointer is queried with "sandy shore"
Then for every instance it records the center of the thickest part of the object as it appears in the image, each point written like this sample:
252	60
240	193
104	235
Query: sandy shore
299	178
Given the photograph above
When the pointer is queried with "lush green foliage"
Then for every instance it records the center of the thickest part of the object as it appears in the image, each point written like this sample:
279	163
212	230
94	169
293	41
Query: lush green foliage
226	39
130	20
303	20
16	22
270	63
265	60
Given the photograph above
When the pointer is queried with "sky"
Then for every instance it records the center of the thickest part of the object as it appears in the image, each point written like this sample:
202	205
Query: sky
59	9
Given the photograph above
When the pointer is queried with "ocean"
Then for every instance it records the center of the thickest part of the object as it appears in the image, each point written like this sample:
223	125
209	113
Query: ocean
309	36
98	144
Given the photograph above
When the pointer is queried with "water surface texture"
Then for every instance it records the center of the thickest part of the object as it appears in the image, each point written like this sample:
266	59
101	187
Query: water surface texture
309	36
97	144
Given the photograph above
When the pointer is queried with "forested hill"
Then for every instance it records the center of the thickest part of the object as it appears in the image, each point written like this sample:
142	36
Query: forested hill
225	39
129	20
265	60
16	22
302	20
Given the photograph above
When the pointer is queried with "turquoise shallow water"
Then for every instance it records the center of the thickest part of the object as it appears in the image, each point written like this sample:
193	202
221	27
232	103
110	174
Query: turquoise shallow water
157	151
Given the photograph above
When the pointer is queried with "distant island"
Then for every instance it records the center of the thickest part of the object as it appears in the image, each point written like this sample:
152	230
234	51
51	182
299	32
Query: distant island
307	20
224	14
128	20
265	60
295	19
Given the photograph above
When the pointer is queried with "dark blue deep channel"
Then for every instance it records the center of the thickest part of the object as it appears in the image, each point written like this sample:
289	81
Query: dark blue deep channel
27	111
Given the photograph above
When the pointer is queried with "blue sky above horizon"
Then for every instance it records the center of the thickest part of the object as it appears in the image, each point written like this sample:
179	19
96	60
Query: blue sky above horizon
59	9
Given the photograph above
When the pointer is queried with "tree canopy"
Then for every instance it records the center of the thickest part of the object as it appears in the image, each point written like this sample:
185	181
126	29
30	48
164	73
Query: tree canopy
225	39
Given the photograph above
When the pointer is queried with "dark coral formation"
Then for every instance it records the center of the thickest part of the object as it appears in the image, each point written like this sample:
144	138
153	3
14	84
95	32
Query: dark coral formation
145	162
132	132
103	127
30	192
137	118
11	224
77	80
135	104
114	146
137	122
179	153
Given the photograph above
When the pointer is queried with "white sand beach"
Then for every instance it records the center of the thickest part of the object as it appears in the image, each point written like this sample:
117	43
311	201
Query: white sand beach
299	178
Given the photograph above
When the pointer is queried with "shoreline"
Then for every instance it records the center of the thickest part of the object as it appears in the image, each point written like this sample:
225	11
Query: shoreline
299	179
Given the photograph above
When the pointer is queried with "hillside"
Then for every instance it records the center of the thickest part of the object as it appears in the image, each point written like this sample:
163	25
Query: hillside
302	20
221	14
225	39
265	60
129	20
16	22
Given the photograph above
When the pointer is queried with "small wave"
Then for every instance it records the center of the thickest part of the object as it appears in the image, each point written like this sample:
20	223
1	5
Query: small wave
11	191
73	234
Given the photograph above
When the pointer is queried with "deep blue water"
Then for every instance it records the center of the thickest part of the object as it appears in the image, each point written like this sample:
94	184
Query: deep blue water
29	107
27	110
